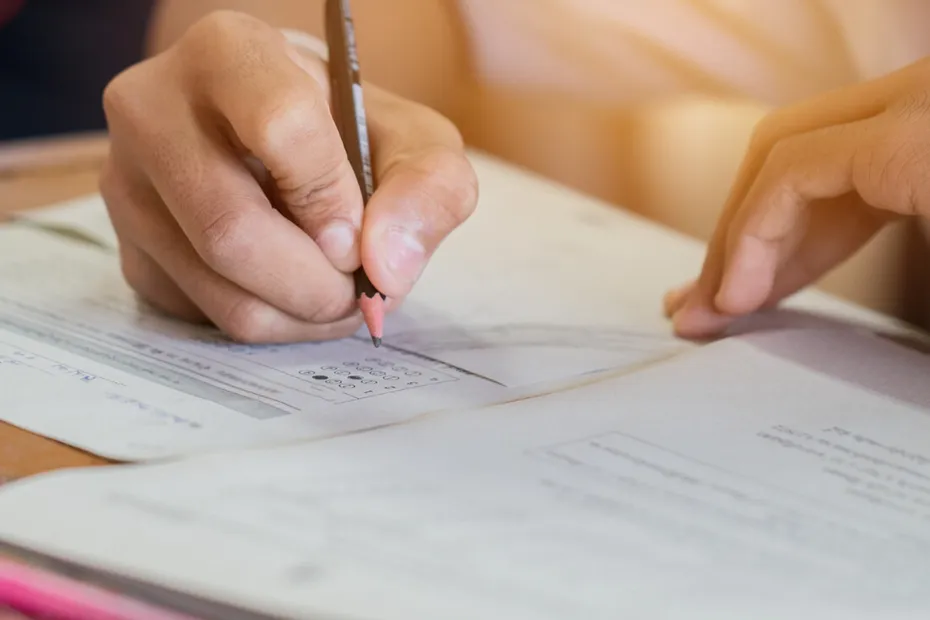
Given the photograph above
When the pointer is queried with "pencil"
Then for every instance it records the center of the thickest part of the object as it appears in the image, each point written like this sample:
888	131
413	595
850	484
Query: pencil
349	114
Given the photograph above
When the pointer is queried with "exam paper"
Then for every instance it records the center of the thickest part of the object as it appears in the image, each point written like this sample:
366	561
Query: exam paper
754	478
547	255
153	388
83	218
83	362
538	285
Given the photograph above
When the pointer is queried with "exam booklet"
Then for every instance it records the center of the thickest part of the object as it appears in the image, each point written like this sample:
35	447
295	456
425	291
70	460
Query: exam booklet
780	474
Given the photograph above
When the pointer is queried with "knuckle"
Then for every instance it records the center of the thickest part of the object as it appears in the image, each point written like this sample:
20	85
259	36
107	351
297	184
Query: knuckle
319	198
225	241
451	185
889	175
248	320
221	44
913	163
914	106
328	308
218	32
285	121
119	96
444	129
130	98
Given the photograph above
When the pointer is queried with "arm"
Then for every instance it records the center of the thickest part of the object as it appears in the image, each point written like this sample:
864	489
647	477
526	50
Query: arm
415	48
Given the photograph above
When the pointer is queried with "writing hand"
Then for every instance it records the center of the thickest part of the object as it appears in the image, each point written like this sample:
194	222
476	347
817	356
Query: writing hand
819	180
265	252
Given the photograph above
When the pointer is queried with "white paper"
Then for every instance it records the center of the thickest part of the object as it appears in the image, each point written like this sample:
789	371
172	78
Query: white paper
753	478
154	388
550	255
83	218
541	285
538	285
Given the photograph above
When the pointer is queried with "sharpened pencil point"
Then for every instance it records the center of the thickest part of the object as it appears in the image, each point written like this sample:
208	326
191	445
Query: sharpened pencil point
373	311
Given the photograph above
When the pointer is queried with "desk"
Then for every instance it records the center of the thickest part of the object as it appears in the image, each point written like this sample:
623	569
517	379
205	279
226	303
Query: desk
34	174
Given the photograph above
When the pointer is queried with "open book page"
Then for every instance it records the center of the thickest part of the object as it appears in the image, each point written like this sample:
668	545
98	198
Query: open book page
146	387
781	475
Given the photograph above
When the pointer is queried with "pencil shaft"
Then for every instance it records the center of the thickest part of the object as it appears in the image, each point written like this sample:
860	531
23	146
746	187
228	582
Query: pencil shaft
348	100
351	120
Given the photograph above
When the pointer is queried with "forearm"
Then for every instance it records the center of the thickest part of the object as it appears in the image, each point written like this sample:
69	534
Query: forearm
415	48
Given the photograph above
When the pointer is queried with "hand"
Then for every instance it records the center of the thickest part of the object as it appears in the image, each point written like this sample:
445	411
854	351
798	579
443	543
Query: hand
233	198
819	180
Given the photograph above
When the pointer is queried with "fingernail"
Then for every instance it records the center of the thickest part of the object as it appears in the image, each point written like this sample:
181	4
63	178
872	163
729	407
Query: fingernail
338	242
676	298
698	321
405	255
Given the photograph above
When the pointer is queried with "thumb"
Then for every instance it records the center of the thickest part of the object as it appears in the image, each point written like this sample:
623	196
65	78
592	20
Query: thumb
426	189
420	201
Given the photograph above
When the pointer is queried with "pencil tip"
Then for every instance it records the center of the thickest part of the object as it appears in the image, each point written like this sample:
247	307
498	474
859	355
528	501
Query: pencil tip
373	311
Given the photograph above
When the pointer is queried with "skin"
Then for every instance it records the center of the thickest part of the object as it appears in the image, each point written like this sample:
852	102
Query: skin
204	239
232	196
819	180
417	49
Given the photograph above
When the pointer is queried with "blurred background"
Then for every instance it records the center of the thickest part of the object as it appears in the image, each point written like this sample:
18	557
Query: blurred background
648	104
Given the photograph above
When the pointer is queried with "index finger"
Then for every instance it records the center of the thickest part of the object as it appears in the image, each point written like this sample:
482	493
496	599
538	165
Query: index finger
426	189
221	208
275	105
699	313
800	170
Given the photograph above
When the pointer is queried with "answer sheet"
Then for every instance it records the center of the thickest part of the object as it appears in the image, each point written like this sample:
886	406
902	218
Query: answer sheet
82	362
783	475
542	286
528	239
152	388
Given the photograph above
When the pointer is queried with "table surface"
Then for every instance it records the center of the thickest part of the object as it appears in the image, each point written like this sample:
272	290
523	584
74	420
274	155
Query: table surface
34	174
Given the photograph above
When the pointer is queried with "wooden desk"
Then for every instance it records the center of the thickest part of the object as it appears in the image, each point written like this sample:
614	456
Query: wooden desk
34	174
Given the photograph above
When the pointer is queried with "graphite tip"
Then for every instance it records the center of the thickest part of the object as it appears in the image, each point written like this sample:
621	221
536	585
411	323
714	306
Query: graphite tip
373	311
